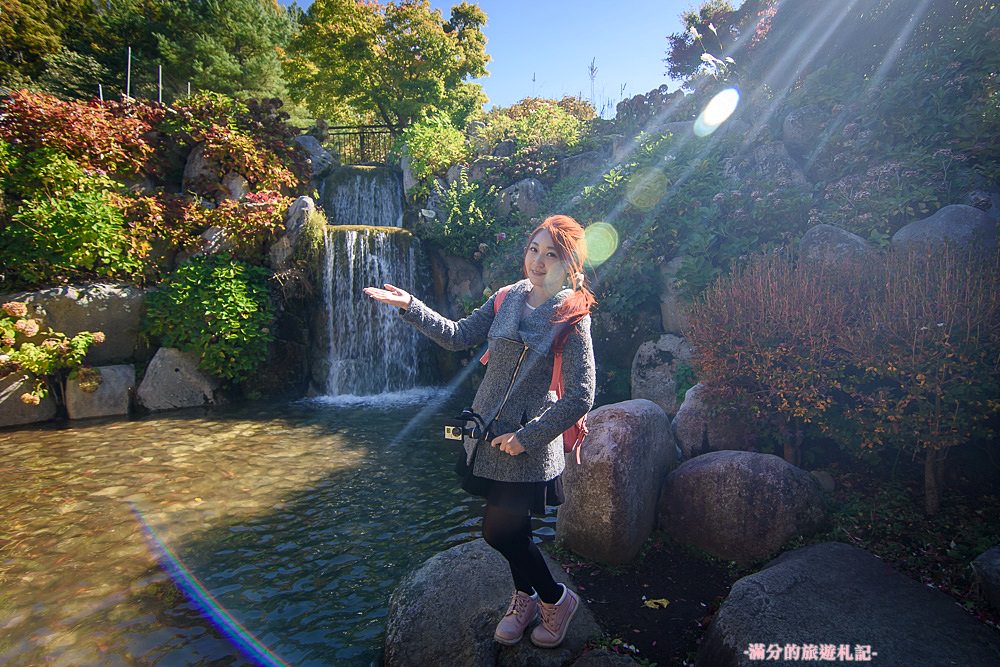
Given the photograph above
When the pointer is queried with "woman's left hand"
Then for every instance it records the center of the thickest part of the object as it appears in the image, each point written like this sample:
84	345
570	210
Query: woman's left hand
508	443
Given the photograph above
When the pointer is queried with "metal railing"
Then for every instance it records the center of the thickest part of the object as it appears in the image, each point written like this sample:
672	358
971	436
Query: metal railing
360	144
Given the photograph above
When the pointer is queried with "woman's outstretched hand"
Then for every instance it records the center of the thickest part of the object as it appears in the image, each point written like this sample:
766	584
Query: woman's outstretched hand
391	295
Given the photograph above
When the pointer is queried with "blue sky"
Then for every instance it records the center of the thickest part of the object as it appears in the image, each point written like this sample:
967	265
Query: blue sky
544	47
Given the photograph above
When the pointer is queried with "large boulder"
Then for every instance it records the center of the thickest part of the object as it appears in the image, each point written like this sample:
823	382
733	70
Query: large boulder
769	159
110	397
410	180
320	160
465	284
740	506
14	412
116	310
827	596
200	173
445	612
610	506
589	164
802	128
454	174
700	428
826	244
986	569
295	220
673	308
965	227
525	196
234	186
653	369
505	148
479	169
173	381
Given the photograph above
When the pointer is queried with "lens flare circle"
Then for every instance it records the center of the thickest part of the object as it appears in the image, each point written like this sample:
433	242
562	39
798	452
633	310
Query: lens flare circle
646	189
602	241
716	112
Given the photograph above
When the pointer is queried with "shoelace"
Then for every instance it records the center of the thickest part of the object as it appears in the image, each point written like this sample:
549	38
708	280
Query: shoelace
549	613
518	605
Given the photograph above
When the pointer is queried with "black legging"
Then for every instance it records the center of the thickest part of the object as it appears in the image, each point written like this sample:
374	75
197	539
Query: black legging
510	534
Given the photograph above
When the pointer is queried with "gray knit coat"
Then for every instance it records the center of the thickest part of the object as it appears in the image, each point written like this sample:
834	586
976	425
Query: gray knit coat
531	410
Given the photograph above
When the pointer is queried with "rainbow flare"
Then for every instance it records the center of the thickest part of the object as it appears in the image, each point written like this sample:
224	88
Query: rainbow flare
203	600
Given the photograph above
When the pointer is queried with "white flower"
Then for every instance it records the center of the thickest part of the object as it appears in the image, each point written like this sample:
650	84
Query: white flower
428	213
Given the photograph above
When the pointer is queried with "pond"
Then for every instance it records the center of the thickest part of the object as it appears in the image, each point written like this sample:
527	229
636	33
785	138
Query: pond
176	538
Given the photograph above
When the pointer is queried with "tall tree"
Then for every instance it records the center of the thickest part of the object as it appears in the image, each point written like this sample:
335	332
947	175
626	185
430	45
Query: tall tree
30	31
394	62
226	46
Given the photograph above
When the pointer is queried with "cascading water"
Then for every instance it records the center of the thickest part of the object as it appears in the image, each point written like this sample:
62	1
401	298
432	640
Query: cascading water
369	349
371	196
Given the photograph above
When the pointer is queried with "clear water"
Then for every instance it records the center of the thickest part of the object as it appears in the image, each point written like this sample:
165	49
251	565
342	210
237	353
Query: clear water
300	519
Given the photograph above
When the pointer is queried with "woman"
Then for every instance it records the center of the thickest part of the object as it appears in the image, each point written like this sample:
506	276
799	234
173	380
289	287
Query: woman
520	469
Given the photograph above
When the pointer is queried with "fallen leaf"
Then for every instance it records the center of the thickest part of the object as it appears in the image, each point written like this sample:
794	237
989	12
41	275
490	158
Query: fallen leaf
660	603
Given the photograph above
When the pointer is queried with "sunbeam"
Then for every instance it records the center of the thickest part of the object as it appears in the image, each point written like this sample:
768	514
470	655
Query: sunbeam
798	56
875	82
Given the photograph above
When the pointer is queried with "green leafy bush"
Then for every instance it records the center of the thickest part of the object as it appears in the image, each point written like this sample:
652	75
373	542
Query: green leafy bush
432	145
534	122
469	221
218	308
64	222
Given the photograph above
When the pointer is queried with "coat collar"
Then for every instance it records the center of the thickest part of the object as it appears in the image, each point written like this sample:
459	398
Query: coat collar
536	329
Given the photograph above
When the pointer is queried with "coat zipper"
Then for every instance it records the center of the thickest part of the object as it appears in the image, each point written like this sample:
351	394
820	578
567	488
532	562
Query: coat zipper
517	368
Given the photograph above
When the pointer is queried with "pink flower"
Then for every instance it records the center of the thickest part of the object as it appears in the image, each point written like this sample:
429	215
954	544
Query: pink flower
7	342
27	327
30	399
501	236
98	337
15	308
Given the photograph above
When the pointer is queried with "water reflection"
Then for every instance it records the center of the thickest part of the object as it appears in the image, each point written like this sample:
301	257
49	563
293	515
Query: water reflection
298	518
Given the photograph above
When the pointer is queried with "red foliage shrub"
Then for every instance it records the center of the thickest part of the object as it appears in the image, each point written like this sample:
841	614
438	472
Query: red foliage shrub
99	137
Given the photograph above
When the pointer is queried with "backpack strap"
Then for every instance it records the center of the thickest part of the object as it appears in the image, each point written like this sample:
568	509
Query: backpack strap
497	302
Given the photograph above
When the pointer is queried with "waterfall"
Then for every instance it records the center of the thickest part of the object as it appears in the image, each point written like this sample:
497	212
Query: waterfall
370	196
369	349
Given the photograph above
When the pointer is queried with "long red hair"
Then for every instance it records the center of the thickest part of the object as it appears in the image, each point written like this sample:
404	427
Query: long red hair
571	246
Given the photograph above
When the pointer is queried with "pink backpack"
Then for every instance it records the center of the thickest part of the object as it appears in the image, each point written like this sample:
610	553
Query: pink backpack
573	436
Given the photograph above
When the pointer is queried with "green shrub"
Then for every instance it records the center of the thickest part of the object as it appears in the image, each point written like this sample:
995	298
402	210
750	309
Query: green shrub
63	222
432	145
218	308
534	122
469	221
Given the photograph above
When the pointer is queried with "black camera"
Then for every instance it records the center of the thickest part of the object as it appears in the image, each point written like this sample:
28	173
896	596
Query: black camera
458	428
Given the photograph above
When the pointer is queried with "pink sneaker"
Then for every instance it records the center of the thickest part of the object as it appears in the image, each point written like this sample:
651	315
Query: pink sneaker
555	619
521	612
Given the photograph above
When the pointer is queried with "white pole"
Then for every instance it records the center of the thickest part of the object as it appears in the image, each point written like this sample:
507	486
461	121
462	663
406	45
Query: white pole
189	89
100	92
159	84
128	75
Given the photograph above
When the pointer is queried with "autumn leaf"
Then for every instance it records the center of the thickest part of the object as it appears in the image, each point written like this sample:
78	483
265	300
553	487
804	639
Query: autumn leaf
660	603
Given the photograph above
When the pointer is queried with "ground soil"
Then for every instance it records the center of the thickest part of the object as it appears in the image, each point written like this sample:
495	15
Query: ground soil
693	586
